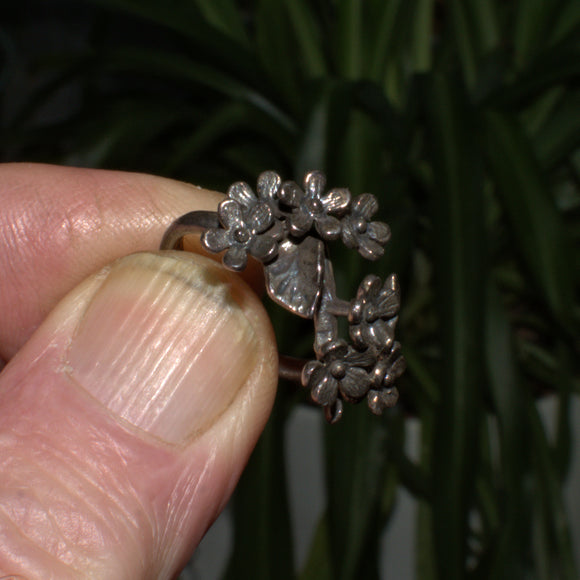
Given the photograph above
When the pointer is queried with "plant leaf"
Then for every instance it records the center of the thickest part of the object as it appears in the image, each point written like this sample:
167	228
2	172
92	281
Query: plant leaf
465	40
485	14
458	248
550	494
350	50
225	16
386	26
318	565
212	46
511	545
308	38
567	21
356	451
262	534
422	39
177	67
273	37
559	136
537	225
555	66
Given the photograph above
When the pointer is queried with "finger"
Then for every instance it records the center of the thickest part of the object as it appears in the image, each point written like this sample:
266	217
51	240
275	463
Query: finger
60	224
127	418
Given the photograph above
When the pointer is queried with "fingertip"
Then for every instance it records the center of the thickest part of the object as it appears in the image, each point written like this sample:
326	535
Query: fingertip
84	403
58	225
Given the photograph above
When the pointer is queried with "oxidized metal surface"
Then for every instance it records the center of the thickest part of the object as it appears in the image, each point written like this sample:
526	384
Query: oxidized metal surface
287	227
294	280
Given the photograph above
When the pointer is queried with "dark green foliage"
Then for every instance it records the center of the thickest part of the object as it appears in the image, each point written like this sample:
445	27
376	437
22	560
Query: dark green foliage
463	117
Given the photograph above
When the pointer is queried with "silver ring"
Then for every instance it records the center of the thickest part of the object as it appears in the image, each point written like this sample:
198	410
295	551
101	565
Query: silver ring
288	228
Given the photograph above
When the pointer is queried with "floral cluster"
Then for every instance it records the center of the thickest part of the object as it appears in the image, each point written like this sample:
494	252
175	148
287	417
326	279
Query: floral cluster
254	223
371	365
269	224
249	224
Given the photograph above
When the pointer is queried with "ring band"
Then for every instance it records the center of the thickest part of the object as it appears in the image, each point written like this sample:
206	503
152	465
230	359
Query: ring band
287	228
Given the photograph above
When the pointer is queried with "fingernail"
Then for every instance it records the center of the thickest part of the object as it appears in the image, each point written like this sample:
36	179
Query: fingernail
164	344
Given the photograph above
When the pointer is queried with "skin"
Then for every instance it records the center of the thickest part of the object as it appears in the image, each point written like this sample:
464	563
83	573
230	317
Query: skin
122	502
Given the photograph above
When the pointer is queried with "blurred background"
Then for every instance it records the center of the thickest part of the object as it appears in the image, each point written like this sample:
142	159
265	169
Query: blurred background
463	118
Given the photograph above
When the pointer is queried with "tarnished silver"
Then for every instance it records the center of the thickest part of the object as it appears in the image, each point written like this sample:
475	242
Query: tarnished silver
287	228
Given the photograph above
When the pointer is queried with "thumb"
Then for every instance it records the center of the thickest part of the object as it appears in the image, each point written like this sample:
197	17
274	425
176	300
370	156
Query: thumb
128	417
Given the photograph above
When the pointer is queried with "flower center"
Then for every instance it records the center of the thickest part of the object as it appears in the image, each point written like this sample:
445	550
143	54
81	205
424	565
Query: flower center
313	205
241	235
360	225
338	369
371	313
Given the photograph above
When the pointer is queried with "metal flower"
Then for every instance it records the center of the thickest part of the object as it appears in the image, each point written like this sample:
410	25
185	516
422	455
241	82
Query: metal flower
268	188
382	393
339	373
373	313
359	233
286	227
249	227
312	206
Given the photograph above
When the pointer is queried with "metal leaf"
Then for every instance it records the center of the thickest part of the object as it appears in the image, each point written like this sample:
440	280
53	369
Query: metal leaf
294	279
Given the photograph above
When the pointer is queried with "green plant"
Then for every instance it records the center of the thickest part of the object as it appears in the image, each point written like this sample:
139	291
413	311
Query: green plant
464	119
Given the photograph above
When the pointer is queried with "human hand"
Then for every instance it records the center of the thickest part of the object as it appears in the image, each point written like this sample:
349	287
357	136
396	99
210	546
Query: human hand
133	396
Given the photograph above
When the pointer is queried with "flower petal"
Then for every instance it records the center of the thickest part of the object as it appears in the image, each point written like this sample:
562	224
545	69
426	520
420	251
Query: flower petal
380	334
236	258
314	183
391	283
324	390
243	194
388	302
307	371
363	359
215	240
355	384
260	218
396	369
290	194
230	214
379	231
276	232
264	248
375	402
268	185
357	336
349	234
334	350
370	249
390	396
336	201
300	223
378	401
369	287
333	413
365	205
328	228
394	354
389	368
355	314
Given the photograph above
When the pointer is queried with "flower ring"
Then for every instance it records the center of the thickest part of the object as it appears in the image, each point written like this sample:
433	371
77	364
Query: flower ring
287	228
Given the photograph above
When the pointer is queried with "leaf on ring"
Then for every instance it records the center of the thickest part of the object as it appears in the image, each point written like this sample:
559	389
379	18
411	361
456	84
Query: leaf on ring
294	279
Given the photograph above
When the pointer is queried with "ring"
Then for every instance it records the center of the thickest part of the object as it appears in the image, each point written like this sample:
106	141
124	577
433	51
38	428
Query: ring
288	228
